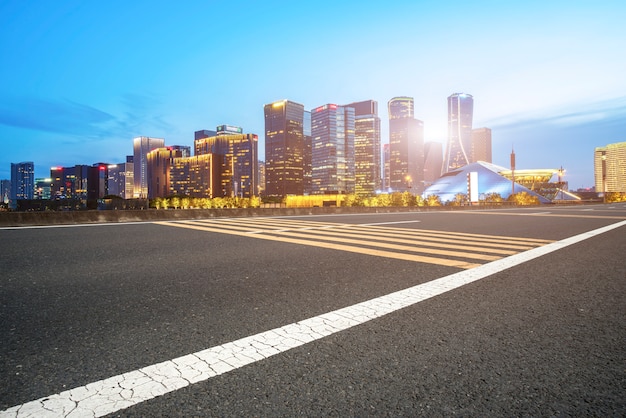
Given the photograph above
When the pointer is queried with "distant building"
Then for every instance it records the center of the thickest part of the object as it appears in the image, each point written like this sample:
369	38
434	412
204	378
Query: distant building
284	148
5	191
142	145
204	133
386	168
196	176
366	147
332	156
481	145
121	179
261	186
307	153
22	182
43	186
406	147
159	164
610	168
460	114
433	159
80	182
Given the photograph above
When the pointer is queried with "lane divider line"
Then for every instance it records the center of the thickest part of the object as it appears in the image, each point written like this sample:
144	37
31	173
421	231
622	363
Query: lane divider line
122	391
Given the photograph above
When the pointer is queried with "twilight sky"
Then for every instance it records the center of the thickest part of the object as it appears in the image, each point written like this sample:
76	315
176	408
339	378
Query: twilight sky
80	79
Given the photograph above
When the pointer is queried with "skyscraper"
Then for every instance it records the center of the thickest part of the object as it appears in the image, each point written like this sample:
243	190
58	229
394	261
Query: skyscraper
332	132
366	147
22	182
433	158
284	148
458	149
610	168
481	145
306	154
159	164
142	145
406	147
386	170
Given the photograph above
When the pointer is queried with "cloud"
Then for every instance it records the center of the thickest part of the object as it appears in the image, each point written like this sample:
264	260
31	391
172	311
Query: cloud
60	116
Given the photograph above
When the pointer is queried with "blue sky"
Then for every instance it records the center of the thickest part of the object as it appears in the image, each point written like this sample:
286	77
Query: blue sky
80	79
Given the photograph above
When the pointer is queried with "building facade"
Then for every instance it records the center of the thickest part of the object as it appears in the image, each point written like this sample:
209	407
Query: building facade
142	145
366	147
332	155
433	159
159	164
5	191
459	147
22	182
406	147
196	176
481	145
284	148
610	168
121	179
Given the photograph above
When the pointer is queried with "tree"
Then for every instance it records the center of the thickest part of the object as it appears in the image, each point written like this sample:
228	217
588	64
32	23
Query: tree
432	200
523	199
175	202
185	202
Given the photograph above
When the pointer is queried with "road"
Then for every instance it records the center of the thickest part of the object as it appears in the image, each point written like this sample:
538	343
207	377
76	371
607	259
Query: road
513	312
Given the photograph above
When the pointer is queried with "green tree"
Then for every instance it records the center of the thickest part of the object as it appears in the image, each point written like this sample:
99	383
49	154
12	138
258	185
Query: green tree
175	202
407	199
158	202
432	200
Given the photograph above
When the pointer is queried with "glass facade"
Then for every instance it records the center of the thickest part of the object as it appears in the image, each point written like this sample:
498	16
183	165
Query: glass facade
366	147
481	145
406	147
332	132
22	182
141	147
284	148
460	114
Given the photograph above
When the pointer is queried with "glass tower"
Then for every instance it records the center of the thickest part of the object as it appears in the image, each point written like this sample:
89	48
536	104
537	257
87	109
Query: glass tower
406	147
22	182
458	150
366	147
284	148
142	145
332	132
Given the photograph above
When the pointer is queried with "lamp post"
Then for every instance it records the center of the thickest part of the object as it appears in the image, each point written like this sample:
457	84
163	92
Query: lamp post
604	176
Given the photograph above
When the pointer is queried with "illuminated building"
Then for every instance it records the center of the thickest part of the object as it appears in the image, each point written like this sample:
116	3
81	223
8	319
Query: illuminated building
80	182
481	145
433	159
159	163
332	156
386	158
307	167
42	188
236	156
610	168
458	149
142	145
5	191
406	147
284	148
228	130
204	133
196	176
121	181
366	147
22	182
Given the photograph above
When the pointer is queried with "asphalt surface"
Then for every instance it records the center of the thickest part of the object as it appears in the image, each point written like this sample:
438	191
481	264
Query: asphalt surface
545	338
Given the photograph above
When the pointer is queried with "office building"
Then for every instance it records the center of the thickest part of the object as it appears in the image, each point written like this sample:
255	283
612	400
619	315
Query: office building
386	169
236	156
481	145
433	159
406	147
22	182
81	182
159	164
121	180
284	148
458	149
332	156
307	167
43	186
203	133
610	168
196	176
366	147
142	145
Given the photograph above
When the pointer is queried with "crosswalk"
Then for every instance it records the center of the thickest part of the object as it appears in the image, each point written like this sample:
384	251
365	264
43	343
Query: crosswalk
454	249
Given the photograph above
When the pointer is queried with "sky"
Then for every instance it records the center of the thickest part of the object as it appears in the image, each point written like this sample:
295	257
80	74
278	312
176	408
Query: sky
80	79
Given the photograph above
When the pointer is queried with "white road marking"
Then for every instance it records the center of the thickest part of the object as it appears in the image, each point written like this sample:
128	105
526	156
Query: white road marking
122	391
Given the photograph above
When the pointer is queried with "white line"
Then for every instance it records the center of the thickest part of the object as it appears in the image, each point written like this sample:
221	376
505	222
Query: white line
387	223
122	391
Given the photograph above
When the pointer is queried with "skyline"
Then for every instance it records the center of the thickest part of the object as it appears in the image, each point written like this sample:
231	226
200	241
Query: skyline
85	79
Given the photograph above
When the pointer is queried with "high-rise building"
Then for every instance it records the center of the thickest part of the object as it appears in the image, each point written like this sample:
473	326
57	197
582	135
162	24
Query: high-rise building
236	155
481	145
121	181
42	188
307	167
458	149
332	156
22	182
159	163
610	168
406	147
196	176
80	182
366	147
284	148
203	133
433	159
386	168
142	145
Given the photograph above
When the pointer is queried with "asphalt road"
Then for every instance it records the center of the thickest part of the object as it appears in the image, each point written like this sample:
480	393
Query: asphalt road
542	338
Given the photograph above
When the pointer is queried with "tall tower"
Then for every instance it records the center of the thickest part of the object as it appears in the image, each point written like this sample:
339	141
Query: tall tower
406	147
22	182
332	132
481	145
366	147
142	145
433	158
610	168
458	150
284	148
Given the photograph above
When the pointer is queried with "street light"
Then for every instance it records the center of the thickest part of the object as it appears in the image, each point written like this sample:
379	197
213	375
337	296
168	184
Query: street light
604	176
